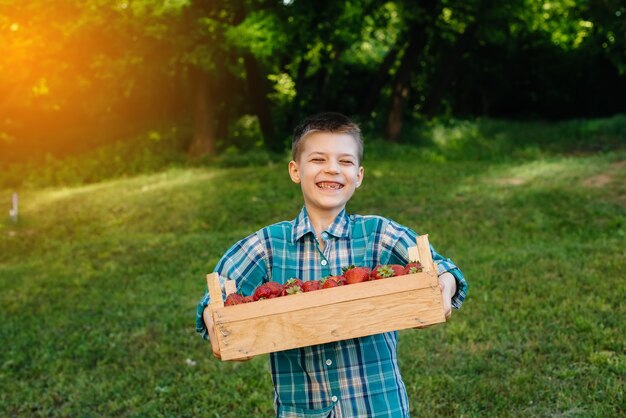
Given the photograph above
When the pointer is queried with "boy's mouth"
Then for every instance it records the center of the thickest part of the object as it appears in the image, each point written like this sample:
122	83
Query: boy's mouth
329	185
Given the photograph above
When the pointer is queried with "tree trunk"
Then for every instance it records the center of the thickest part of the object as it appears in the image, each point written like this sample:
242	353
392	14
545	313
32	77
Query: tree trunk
373	95
258	89
227	89
203	141
401	85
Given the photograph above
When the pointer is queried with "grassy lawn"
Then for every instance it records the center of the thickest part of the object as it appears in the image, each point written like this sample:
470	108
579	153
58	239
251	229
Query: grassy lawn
99	285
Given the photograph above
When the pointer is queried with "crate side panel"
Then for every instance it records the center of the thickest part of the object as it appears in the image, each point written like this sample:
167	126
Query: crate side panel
322	324
324	297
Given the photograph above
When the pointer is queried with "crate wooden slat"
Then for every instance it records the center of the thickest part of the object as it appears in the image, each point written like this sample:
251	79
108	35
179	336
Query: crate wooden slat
328	315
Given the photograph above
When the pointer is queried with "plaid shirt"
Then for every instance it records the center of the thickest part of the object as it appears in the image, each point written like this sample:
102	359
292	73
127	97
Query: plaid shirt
351	378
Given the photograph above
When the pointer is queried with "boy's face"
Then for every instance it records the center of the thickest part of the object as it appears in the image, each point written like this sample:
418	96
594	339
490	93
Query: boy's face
327	170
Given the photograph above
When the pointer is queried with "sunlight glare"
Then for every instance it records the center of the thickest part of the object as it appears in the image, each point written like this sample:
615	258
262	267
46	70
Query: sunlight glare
130	186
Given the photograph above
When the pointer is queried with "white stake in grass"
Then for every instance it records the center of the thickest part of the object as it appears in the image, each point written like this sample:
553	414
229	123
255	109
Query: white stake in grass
13	211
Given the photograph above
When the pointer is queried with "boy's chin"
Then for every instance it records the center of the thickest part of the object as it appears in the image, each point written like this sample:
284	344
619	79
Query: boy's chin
331	206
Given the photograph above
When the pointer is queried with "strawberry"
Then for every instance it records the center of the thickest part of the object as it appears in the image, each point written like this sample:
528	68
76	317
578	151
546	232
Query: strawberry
413	267
262	292
355	274
311	285
332	281
292	286
398	270
233	299
382	271
268	290
247	299
276	288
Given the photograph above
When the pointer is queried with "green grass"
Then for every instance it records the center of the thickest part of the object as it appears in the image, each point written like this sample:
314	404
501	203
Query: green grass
99	284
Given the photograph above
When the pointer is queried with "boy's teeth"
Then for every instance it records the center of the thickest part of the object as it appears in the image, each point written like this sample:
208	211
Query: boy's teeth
324	185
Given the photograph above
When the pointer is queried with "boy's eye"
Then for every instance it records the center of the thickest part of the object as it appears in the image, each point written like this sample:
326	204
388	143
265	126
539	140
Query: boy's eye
346	162
317	159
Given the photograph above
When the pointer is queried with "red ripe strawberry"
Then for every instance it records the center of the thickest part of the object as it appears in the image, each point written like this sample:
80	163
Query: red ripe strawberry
356	274
382	271
311	285
233	299
276	288
398	270
262	292
247	299
292	286
414	267
331	281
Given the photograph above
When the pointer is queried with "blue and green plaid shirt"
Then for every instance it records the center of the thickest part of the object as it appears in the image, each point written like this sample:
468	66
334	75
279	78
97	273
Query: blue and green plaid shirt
351	378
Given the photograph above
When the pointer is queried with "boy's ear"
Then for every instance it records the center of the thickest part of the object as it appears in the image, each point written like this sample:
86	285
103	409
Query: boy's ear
294	172
359	177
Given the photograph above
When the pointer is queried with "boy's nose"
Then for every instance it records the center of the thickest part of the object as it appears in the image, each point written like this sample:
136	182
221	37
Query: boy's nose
332	167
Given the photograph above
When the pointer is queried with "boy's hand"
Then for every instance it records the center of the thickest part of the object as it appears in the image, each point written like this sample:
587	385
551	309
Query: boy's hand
447	283
208	320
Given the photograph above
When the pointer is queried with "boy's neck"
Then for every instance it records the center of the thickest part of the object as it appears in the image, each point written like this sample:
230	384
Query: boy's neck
321	219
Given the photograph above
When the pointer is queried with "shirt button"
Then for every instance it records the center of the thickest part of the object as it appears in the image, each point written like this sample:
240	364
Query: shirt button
329	362
334	399
324	262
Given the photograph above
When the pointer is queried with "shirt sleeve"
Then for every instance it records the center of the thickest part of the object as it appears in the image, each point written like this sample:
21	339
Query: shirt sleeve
399	238
246	263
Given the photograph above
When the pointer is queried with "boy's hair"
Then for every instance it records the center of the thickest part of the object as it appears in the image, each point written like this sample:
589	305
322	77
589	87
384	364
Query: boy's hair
326	122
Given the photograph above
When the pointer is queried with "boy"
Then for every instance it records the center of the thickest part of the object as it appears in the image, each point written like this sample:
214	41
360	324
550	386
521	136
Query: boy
351	378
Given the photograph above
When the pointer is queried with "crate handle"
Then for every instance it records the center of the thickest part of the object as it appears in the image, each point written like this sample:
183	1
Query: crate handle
215	290
422	253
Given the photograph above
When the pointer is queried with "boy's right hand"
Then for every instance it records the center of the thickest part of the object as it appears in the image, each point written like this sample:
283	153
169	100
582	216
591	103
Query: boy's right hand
208	321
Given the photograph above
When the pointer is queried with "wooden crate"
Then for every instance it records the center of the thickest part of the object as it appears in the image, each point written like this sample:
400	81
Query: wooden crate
328	315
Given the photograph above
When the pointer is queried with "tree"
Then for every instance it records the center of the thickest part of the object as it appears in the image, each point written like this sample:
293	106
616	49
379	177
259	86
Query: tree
419	21
90	71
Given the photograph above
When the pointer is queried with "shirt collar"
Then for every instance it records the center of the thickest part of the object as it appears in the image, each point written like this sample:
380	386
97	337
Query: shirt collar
340	228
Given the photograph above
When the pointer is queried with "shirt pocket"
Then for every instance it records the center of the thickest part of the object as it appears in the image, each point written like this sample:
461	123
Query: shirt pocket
288	411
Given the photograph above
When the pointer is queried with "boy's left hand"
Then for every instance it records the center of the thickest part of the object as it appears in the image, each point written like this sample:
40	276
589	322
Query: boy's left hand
447	283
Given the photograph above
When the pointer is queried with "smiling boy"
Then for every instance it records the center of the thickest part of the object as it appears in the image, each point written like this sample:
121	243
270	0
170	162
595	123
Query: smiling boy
327	168
351	378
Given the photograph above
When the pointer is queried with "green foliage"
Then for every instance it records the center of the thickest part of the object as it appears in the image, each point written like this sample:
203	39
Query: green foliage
284	89
245	133
497	140
261	33
71	69
99	283
379	33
